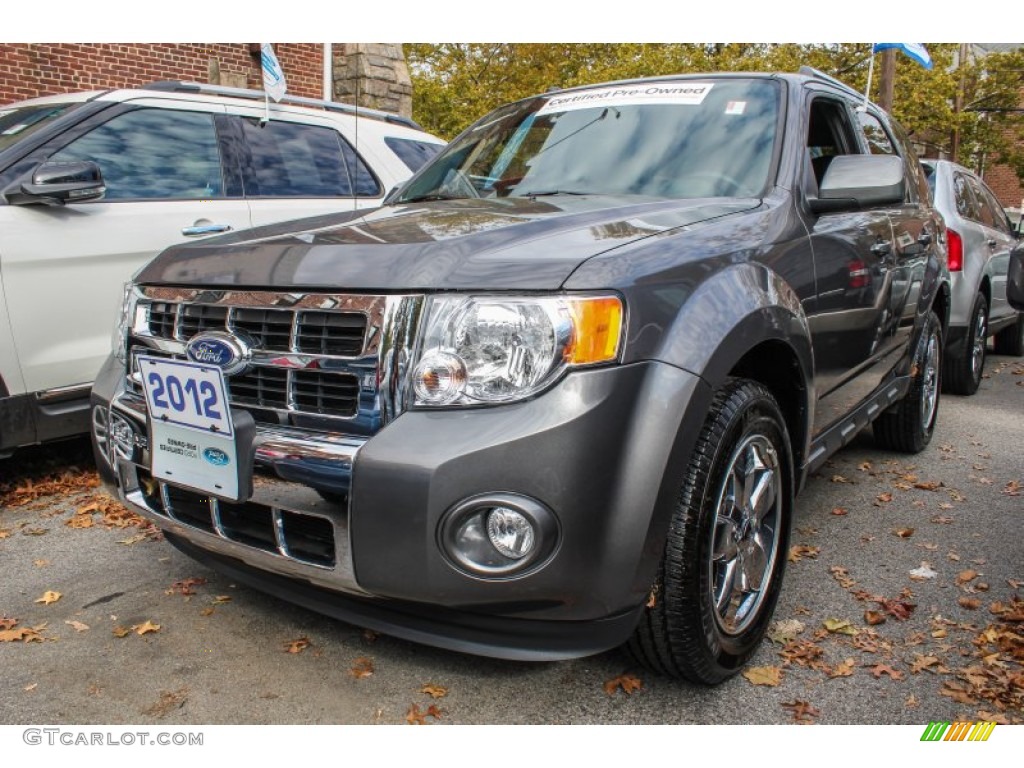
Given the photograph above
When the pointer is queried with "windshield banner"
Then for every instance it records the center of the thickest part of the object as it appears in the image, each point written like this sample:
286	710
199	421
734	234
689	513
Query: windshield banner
625	95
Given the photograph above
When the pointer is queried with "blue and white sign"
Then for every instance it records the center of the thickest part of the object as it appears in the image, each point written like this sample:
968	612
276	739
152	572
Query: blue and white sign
273	76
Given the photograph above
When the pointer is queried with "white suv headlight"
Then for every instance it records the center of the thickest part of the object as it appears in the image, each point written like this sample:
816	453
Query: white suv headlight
479	350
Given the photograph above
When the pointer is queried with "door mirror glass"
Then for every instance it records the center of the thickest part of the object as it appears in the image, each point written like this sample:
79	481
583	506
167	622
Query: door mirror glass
57	183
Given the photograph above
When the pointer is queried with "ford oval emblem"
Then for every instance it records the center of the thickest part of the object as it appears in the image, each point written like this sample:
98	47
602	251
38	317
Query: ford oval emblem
217	457
227	352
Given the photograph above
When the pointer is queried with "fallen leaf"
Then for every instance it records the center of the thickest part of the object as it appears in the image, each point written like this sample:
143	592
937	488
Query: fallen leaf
297	646
361	667
434	691
898	609
120	631
884	669
965	576
221	599
35	531
840	479
800	551
49	597
904	533
785	630
185	587
923	573
146	628
953	556
207	611
930	485
167	702
874	617
133	539
770	676
943	519
1015	583
40	563
77	626
628	684
30	687
7	622
79	521
844	669
981	586
5	533
883	498
970	603
1013	488
839	626
922	663
802	711
839	511
415	717
841	575
912	702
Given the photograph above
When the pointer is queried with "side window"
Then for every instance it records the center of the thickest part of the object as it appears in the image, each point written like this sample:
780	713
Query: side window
828	135
414	154
965	205
875	135
1002	221
293	160
987	215
154	154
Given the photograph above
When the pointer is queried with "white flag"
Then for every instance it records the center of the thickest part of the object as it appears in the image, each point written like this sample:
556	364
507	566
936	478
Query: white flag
273	76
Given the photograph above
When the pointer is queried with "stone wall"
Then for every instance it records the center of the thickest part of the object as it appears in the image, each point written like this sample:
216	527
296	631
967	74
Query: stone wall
373	75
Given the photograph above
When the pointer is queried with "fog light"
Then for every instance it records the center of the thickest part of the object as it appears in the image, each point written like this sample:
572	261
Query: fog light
510	533
498	535
122	436
439	378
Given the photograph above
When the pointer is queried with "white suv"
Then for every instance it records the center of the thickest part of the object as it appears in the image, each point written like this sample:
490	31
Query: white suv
93	185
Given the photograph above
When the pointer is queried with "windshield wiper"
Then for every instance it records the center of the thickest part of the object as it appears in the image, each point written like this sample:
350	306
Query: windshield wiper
431	196
550	192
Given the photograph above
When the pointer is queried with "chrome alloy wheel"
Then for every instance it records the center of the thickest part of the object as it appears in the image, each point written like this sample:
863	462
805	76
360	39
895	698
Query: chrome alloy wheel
930	381
745	535
978	349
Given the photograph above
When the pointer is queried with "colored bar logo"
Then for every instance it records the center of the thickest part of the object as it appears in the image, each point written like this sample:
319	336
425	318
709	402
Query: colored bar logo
942	731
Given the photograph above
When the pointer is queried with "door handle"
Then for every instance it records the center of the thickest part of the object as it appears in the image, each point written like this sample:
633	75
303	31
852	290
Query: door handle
881	248
925	238
205	229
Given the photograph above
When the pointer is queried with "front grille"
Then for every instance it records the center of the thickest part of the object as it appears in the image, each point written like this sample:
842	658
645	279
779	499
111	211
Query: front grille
330	333
270	329
261	388
325	393
197	318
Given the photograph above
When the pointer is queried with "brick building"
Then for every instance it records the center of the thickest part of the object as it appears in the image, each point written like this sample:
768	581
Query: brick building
375	71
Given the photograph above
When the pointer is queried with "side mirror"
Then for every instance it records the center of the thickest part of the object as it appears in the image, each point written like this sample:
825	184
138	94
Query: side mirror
1015	278
57	183
853	182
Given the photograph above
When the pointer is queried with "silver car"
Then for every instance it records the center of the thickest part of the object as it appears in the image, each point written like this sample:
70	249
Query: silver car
980	238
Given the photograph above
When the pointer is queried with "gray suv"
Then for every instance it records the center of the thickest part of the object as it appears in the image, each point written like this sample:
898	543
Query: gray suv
980	238
559	392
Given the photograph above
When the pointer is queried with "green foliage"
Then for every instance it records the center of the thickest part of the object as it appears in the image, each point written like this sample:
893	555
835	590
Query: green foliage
456	83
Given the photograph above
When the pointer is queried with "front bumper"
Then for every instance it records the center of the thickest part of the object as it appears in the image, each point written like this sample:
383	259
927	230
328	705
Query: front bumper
595	450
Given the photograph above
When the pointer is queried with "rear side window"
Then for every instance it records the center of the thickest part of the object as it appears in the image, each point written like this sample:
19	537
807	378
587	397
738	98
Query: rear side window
988	216
965	205
293	160
154	153
413	153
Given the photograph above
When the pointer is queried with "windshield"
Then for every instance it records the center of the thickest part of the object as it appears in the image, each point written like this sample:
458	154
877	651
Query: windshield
16	124
676	139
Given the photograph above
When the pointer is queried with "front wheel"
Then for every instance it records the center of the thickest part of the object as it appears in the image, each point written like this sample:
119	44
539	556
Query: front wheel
722	568
908	425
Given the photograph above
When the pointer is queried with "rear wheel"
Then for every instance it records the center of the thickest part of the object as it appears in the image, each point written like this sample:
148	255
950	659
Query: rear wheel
721	572
908	426
961	375
1010	341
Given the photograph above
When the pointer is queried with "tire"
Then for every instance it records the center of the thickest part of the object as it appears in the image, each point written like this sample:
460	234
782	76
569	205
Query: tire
1010	341
722	543
961	375
908	426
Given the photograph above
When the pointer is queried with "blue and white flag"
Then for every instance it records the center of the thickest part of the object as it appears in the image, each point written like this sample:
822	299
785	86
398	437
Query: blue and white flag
273	76
916	51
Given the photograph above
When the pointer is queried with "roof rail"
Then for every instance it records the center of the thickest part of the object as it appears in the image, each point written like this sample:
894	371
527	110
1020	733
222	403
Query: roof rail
819	75
185	86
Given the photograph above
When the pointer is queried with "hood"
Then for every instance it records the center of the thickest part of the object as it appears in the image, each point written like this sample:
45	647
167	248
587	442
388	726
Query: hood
510	243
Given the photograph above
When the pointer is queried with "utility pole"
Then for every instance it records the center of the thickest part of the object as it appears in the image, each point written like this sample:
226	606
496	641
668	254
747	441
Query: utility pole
887	81
958	103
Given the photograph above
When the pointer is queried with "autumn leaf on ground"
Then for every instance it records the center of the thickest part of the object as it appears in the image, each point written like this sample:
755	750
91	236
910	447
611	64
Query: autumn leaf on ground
120	631
923	573
416	717
873	618
841	575
628	684
802	711
784	630
957	693
803	653
840	479
965	576
1015	583
22	634
5	533
133	539
49	597
839	511
884	669
912	702
297	646
185	587
7	622
168	701
842	670
80	521
898	609
146	628
970	603
361	667
30	687
882	498
40	563
904	533
922	663
931	485
770	676
1013	488
77	626
800	551
434	691
839	626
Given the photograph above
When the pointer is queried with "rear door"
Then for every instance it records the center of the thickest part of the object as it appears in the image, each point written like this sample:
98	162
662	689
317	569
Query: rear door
63	267
997	240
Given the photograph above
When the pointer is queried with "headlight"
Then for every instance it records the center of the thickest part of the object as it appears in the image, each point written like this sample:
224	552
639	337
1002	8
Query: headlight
479	350
125	321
